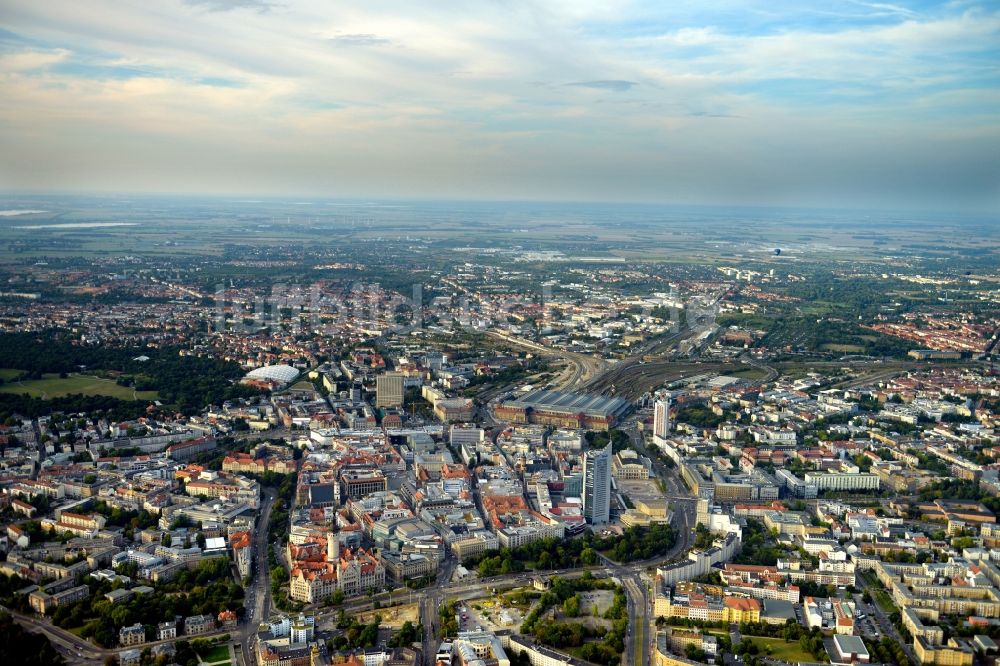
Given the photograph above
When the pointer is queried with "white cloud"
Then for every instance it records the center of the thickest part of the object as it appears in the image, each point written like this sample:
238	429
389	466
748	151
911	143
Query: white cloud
534	89
870	53
29	60
884	7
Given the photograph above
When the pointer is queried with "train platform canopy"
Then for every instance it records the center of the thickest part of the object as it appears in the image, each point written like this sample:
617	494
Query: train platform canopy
571	403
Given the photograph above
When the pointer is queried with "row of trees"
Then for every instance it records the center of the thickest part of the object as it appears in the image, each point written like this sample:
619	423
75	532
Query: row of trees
285	486
637	543
448	622
542	554
958	489
115	409
887	651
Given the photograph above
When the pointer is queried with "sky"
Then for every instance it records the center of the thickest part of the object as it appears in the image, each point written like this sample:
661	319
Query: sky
844	103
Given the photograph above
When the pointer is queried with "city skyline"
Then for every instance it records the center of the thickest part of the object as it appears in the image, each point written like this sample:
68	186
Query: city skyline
850	104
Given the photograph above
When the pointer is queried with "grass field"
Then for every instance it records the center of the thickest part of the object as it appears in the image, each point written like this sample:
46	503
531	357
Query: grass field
844	349
7	374
883	599
52	386
752	374
780	649
219	653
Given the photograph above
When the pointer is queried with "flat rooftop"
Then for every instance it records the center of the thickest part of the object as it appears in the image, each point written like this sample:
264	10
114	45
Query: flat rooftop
850	645
561	401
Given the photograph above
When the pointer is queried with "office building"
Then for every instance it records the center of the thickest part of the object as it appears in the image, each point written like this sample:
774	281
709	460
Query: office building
842	481
661	418
597	486
389	390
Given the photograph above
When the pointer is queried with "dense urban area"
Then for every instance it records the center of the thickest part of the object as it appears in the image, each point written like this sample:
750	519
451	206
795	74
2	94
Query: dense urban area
233	435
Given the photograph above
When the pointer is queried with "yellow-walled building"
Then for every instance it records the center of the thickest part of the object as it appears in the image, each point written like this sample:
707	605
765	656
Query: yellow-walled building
955	653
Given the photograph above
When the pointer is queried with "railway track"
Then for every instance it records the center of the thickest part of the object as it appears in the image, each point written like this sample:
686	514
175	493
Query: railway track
584	366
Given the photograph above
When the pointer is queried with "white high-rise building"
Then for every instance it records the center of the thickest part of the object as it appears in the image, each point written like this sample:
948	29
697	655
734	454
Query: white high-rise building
597	486
302	630
661	418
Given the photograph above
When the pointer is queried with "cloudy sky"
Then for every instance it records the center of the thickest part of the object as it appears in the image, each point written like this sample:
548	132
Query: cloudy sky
833	102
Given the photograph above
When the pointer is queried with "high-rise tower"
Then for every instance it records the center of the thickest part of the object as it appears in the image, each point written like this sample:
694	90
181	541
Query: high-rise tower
661	418
597	486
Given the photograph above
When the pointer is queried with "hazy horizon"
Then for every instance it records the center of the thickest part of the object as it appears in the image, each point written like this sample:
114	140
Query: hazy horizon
301	204
833	105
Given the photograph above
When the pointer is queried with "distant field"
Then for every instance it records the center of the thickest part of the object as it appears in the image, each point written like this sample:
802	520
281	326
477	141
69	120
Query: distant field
780	649
845	349
7	374
52	386
817	308
752	374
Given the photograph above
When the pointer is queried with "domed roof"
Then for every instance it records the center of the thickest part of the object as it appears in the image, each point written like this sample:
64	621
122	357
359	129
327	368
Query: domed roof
275	373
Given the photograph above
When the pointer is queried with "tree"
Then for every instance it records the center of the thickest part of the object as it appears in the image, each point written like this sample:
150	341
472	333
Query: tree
407	634
571	607
703	537
448	624
31	648
694	653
